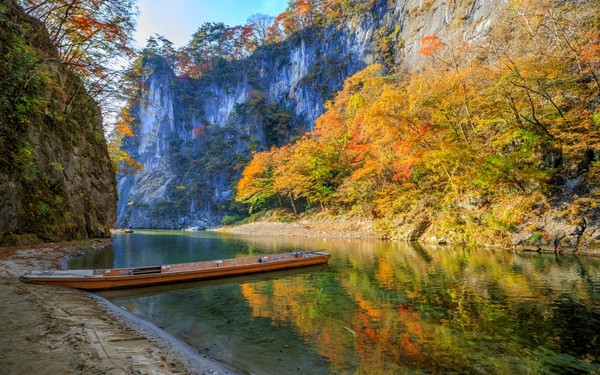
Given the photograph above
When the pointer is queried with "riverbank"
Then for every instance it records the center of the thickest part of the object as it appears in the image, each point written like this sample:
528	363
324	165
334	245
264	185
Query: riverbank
57	330
310	228
553	236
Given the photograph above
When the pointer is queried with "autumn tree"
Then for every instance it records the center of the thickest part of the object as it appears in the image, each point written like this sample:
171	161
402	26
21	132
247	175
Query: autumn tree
159	45
212	44
302	14
260	24
287	179
299	15
336	11
256	187
122	161
91	36
314	171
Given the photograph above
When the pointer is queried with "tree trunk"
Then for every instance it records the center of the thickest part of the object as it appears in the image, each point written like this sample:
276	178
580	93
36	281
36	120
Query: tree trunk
293	205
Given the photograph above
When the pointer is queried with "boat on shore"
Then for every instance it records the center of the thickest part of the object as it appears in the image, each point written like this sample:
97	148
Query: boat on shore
122	230
115	278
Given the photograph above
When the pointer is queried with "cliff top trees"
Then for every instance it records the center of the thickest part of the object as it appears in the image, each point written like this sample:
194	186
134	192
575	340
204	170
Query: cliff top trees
215	43
218	41
302	14
260	25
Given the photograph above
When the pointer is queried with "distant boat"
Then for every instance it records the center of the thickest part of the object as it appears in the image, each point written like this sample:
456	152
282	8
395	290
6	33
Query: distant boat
193	229
154	275
127	230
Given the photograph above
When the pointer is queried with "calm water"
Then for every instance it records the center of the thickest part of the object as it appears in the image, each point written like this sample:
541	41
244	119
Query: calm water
377	308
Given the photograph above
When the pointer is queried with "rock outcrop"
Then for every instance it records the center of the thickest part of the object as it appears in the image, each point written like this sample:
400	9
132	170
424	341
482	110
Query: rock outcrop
56	179
192	136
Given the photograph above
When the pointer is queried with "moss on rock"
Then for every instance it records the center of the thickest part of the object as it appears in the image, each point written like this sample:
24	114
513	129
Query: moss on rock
56	179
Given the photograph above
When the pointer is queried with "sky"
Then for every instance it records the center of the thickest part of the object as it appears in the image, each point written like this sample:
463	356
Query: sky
177	20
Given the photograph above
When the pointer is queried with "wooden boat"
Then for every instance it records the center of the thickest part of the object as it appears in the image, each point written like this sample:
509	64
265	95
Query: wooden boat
173	273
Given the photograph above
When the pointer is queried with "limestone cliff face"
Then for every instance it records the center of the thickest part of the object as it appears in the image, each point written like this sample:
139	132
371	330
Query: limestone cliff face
193	136
56	179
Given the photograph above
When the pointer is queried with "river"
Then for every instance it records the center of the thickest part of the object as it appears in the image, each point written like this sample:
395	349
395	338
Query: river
378	307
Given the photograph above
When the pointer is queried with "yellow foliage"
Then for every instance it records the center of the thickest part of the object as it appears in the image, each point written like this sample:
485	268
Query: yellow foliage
473	121
121	160
256	178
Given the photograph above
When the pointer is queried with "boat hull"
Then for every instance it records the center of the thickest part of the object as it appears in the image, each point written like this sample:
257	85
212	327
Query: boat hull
113	279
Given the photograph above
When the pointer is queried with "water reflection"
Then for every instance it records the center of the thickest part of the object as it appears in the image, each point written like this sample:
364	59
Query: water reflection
378	308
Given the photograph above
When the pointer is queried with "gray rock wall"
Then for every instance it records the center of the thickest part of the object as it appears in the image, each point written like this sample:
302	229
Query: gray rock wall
56	179
180	185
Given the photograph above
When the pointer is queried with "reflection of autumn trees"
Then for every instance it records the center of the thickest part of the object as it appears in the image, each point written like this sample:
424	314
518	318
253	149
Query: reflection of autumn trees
299	303
435	310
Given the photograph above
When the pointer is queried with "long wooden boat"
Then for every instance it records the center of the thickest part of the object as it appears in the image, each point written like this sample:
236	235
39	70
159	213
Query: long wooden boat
154	275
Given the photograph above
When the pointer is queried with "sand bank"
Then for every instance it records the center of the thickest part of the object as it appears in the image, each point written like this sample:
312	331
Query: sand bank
54	330
315	228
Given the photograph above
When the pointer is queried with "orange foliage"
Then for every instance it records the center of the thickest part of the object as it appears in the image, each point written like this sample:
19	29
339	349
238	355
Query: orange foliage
89	35
124	129
258	301
371	311
430	44
301	14
199	131
413	333
122	161
473	122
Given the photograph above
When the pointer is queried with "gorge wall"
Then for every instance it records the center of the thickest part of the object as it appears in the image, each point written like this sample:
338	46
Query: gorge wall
56	179
193	137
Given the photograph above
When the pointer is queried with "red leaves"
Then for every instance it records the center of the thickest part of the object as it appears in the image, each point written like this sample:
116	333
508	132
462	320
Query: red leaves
247	31
199	131
590	54
89	35
430	44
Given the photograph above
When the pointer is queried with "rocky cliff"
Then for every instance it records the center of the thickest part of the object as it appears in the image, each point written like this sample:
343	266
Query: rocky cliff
56	179
193	136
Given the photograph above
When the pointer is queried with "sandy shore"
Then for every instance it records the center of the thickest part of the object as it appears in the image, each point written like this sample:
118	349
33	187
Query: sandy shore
54	330
313	228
